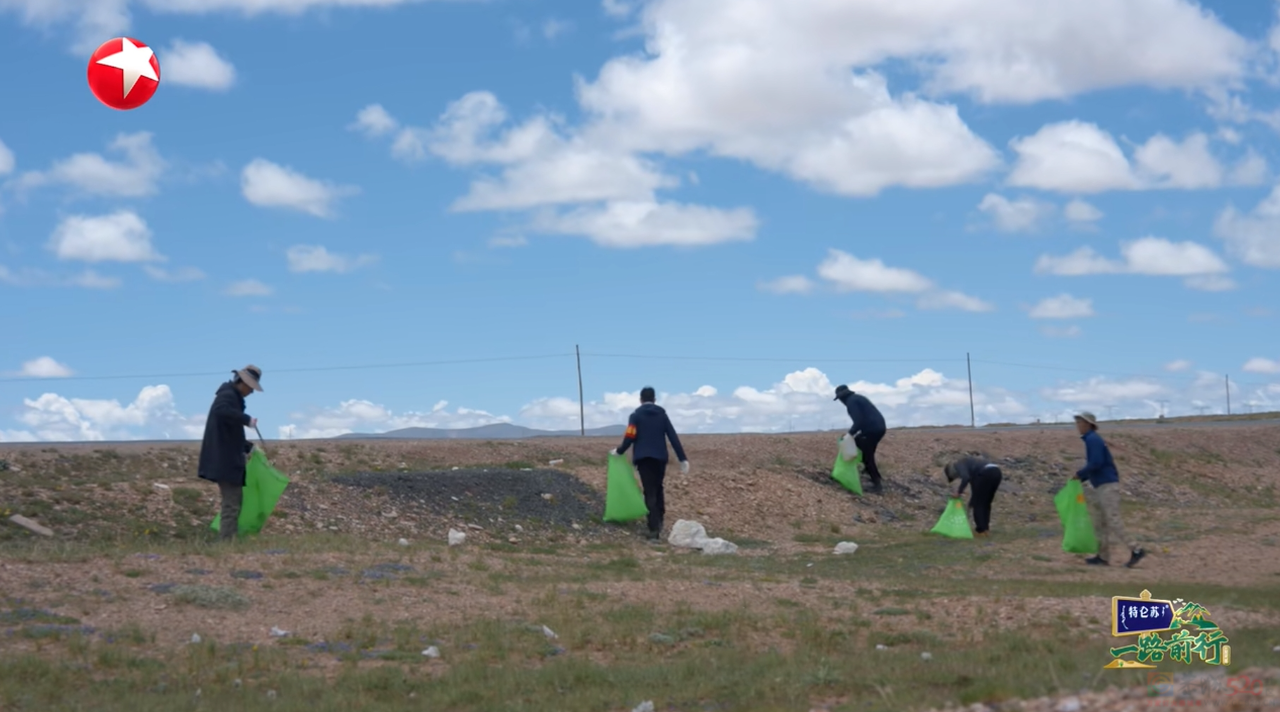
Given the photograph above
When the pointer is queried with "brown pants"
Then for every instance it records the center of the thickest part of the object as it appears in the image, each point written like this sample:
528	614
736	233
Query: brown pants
1104	509
232	498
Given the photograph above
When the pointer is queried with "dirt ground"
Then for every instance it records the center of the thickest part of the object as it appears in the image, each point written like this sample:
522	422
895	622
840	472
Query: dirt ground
1202	501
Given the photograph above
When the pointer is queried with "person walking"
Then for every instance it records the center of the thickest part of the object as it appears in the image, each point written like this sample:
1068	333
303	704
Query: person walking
224	450
648	429
868	430
1103	494
983	479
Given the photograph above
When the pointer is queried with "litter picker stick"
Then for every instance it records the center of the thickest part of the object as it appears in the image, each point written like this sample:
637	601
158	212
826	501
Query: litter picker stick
261	440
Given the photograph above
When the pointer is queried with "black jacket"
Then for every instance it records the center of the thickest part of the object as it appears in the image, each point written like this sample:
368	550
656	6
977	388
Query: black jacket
971	469
649	428
222	453
866	417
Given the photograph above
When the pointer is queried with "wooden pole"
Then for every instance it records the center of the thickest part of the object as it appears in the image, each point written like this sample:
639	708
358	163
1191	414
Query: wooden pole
973	420
582	407
1228	377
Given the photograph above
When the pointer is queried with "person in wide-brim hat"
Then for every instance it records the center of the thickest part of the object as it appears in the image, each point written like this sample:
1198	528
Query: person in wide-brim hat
1103	494
251	376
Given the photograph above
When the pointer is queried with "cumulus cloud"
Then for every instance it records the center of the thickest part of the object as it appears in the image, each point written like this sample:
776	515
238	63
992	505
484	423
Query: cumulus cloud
136	175
1253	237
848	273
7	160
248	288
1021	215
1063	306
270	185
1199	266
152	414
198	65
1081	158
121	236
791	284
1262	365
1178	366
315	258
44	367
1081	213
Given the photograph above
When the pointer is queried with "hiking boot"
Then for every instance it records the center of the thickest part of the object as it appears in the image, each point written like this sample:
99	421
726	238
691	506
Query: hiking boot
655	536
1095	561
1137	556
982	533
876	488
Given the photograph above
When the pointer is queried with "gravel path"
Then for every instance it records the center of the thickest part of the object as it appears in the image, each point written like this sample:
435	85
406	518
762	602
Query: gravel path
533	498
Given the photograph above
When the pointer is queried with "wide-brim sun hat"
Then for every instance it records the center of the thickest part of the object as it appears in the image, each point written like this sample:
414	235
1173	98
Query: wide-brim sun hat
252	376
1088	417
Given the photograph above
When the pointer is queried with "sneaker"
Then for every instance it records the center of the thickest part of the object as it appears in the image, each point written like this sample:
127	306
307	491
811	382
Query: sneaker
655	536
1137	556
876	488
1095	561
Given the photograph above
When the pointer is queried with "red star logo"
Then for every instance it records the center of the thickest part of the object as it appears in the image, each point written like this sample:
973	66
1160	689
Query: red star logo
123	73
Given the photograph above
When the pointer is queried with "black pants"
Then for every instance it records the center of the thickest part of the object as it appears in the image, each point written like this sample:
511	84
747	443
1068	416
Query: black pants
652	474
867	443
982	492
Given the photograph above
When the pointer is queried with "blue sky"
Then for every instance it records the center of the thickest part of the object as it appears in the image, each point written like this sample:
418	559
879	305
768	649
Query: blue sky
740	203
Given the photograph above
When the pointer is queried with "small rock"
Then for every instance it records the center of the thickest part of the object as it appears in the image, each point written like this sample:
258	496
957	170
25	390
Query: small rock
198	691
236	683
926	656
271	694
549	633
162	489
553	463
881	646
519	528
662	639
477	527
646	706
577	526
456	537
846	547
719	546
512	540
432	652
277	633
195	638
1071	704
548	496
30	525
403	542
1276	649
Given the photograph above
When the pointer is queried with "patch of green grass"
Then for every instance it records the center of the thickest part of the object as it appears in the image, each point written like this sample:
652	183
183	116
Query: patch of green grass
216	597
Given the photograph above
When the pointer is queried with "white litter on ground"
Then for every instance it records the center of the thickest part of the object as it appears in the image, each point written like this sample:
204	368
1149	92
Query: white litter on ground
456	537
846	547
692	535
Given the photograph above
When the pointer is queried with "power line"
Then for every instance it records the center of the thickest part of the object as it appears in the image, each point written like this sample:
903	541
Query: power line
651	357
317	369
1166	377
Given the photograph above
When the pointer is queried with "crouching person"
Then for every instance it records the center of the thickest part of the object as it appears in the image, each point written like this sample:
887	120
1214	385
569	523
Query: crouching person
982	477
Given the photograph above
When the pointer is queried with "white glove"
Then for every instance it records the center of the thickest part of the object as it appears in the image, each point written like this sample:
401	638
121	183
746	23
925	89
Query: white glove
684	467
613	451
848	448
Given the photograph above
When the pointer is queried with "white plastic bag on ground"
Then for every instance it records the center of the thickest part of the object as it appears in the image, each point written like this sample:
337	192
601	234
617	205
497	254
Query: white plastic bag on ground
846	547
719	546
687	534
456	537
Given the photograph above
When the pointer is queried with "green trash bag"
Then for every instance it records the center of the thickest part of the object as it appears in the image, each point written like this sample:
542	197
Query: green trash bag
1077	526
623	500
263	485
846	472
954	521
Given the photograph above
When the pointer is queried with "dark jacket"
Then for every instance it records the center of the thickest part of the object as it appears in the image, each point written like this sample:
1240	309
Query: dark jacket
970	469
1099	468
866	417
649	428
222	453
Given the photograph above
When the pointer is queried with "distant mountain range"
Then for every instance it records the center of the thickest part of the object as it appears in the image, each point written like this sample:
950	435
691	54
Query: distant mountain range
493	431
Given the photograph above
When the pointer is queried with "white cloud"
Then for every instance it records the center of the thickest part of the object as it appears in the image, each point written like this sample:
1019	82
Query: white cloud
1021	215
1250	170
512	240
184	274
617	8
1253	238
7	161
792	284
1230	135
1200	267
92	280
121	236
134	177
196	64
28	277
633	224
1262	365
267	184
373	120
1080	212
553	28
1178	366
1079	157
357	415
1063	306
848	273
315	258
1102	391
248	288
151	414
44	367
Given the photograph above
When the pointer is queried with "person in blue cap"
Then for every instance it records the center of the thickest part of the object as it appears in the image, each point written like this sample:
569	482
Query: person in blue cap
867	431
649	429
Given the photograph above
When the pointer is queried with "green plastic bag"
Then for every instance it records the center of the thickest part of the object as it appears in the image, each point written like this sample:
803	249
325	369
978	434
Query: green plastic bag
623	500
263	485
1077	527
846	472
954	521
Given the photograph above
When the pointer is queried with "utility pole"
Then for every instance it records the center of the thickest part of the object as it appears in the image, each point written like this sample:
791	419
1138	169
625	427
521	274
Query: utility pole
1111	410
973	421
582	406
1228	377
1162	405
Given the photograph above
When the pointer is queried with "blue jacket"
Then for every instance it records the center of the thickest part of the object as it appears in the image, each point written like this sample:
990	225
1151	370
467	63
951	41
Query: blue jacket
1099	468
648	429
866	417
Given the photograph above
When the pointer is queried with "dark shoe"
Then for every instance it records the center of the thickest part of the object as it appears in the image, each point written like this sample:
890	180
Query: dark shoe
1137	556
655	535
876	488
1095	561
986	533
